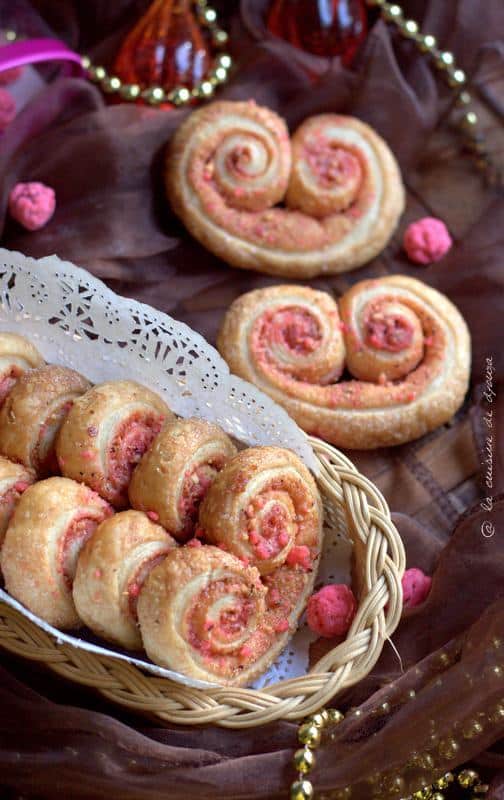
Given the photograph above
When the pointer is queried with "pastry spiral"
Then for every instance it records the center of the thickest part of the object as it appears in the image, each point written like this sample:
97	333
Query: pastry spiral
200	613
51	522
33	413
230	162
17	355
264	507
106	434
405	344
14	480
176	472
111	570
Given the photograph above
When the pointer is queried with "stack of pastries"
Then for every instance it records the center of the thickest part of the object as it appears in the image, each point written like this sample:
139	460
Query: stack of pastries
153	531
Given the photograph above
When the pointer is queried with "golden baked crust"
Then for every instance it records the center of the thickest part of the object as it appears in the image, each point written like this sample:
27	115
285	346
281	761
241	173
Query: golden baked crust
14	480
407	345
106	433
111	570
175	473
17	355
52	520
33	413
230	162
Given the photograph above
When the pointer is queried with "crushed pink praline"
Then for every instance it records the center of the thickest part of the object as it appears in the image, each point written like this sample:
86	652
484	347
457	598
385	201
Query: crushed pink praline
32	204
427	240
7	108
331	610
10	75
416	586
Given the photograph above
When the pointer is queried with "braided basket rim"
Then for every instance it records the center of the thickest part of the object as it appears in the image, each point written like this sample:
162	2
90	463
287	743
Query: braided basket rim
380	558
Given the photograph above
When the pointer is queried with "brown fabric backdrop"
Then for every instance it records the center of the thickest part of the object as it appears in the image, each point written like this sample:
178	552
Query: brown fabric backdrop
58	740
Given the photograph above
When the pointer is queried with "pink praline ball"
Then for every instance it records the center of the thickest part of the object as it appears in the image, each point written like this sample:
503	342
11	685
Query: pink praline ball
427	240
32	204
416	586
7	108
331	610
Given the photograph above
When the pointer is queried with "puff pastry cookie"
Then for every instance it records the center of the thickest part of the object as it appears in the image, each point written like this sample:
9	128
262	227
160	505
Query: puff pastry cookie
176	472
112	568
405	345
52	521
231	163
33	413
17	355
106	434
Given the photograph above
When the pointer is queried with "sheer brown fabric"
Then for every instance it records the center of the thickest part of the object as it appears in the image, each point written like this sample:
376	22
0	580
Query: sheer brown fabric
105	163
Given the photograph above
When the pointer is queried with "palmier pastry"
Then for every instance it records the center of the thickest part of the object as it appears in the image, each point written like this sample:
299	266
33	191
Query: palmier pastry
106	434
14	480
176	472
265	508
111	570
17	355
201	613
51	522
33	413
405	345
230	163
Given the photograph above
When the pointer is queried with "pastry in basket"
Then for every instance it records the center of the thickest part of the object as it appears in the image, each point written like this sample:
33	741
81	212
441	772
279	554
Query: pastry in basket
17	355
33	413
111	570
264	507
231	164
106	434
175	473
14	480
405	346
51	522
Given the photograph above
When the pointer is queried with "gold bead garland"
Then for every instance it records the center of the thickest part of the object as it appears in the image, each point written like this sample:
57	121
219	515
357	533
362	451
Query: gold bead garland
309	735
444	62
155	95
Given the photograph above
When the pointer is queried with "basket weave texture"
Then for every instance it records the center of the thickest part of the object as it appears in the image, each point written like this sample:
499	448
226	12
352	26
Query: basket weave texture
379	563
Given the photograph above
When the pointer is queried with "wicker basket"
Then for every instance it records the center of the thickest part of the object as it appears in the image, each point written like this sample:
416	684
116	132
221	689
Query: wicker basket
76	317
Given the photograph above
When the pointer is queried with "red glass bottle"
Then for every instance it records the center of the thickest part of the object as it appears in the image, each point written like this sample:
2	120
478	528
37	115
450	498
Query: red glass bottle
322	27
166	48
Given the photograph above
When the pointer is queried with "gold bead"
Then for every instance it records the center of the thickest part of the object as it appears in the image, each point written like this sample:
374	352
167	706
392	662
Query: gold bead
444	660
445	59
392	12
154	95
496	642
209	15
224	60
203	89
497	714
456	77
467	778
179	96
317	719
309	735
335	716
220	38
470	120
301	790
304	760
97	74
495	671
410	27
444	781
129	91
219	75
86	62
384	708
10	36
425	761
427	42
437	796
411	694
464	99
423	794
472	728
449	748
111	84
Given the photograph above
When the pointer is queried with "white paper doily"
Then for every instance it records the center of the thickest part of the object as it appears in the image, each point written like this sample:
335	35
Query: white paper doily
76	321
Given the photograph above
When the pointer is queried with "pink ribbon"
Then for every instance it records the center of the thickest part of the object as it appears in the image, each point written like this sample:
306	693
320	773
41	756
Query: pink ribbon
34	51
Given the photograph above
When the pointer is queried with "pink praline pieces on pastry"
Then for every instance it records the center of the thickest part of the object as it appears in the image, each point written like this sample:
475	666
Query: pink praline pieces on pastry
416	586
7	108
427	240
331	610
32	204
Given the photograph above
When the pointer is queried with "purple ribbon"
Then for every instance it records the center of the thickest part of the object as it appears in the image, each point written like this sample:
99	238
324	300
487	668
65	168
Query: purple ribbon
33	51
